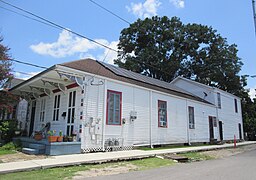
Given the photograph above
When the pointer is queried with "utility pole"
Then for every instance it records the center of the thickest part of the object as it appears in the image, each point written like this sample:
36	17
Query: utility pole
254	15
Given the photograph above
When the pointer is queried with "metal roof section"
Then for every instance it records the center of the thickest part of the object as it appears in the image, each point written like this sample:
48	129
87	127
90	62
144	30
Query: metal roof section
202	85
149	80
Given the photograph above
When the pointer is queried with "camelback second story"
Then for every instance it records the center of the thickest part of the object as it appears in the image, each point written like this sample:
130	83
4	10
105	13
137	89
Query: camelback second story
228	105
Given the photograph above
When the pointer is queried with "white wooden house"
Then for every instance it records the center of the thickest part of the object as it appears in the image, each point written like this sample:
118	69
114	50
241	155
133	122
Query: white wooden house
113	108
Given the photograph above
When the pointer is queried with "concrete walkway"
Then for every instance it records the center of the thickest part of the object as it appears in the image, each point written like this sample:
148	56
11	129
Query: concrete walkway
76	159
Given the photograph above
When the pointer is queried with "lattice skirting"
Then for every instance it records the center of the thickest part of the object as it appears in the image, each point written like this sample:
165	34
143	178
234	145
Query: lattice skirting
107	149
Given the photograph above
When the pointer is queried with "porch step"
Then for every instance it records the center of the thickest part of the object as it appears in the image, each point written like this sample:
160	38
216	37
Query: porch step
37	146
30	151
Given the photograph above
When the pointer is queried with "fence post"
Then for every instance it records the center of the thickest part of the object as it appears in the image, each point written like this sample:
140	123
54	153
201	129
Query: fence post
234	141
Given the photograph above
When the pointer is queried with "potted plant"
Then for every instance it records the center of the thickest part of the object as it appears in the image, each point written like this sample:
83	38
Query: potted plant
70	138
74	134
65	138
38	136
51	136
60	137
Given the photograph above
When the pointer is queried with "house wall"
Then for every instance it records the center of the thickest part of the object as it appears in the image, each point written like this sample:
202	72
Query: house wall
228	116
90	116
137	132
226	113
22	113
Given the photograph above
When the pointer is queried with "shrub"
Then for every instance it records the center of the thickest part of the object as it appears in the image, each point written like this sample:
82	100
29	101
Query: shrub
7	130
9	146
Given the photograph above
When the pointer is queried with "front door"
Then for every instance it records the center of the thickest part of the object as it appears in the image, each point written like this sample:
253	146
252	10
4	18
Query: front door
240	131
221	130
211	128
71	113
32	117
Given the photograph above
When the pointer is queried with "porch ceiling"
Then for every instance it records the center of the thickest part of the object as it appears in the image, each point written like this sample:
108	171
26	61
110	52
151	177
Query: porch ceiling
48	80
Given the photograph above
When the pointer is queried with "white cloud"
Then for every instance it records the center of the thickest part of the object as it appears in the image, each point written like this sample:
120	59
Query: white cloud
68	44
25	76
147	9
252	92
178	3
108	56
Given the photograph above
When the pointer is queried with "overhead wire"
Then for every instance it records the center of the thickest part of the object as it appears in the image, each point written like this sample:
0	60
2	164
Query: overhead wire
55	25
114	14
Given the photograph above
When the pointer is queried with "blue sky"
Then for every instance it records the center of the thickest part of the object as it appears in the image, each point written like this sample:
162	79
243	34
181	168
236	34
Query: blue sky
37	43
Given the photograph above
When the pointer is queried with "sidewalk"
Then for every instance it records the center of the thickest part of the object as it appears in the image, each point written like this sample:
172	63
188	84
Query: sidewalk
76	159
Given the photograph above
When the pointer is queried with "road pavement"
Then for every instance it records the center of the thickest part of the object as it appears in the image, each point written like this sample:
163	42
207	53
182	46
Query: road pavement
238	167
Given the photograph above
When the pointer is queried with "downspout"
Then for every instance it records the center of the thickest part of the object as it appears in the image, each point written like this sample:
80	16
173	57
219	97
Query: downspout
86	107
217	118
150	119
188	136
104	114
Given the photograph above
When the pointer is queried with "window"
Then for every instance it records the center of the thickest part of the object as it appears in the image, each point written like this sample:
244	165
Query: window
114	107
236	110
219	100
191	117
162	114
42	110
56	108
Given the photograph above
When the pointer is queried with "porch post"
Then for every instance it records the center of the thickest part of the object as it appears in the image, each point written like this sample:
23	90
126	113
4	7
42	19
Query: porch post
104	113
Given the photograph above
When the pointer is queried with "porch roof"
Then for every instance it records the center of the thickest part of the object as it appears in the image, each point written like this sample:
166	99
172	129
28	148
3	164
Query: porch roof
46	82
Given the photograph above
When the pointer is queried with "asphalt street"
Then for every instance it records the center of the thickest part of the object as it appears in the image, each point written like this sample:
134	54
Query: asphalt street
238	167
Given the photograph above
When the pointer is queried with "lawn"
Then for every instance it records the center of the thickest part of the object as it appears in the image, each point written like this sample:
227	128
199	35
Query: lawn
9	148
196	156
68	172
169	147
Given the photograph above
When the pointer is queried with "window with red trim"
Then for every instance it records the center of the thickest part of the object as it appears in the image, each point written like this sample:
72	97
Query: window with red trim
162	114
114	107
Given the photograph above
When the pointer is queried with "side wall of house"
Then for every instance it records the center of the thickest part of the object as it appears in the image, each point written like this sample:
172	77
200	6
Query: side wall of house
226	114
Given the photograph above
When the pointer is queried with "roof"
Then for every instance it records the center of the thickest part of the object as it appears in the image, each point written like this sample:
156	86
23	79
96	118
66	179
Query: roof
117	73
202	85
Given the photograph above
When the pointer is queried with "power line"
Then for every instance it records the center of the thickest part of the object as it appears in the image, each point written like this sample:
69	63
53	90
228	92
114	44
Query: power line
26	63
114	14
24	73
254	14
27	17
57	25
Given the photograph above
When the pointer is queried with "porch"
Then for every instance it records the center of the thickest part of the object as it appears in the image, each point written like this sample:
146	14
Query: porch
32	146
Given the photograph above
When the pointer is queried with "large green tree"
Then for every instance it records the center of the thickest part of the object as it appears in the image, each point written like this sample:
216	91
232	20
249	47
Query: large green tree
165	48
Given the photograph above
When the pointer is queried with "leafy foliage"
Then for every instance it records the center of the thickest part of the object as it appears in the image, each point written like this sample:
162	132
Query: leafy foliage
5	64
7	129
6	99
192	50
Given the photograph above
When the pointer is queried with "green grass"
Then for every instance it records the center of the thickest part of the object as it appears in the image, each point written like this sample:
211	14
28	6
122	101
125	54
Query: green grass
169	147
3	152
150	163
9	148
68	172
196	156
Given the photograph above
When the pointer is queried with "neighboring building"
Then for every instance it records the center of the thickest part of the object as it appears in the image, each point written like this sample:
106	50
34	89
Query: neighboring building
19	108
110	107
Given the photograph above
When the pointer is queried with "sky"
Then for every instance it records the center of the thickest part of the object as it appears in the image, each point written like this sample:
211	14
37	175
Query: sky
37	43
